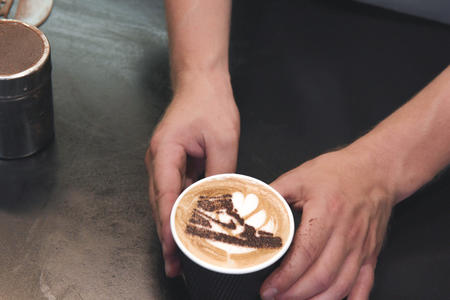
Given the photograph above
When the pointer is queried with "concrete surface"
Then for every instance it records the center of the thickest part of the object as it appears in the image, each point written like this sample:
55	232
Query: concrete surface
74	220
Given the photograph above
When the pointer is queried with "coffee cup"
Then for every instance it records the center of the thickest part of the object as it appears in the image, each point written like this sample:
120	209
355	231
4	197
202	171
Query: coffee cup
231	231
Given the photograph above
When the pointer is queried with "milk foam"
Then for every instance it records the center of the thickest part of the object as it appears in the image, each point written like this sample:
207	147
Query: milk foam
231	221
246	206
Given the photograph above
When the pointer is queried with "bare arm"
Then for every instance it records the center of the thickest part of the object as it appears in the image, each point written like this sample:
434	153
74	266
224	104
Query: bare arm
200	129
413	144
347	197
199	37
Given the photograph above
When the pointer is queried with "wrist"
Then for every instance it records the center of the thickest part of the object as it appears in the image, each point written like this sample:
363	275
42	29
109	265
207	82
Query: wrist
380	167
389	163
202	79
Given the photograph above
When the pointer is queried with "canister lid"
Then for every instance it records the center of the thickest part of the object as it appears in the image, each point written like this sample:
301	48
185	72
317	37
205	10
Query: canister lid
24	54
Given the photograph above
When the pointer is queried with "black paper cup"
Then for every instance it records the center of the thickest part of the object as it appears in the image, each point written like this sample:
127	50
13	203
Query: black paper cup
207	281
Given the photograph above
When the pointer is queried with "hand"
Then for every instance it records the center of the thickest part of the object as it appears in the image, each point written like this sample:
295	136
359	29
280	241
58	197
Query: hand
198	133
346	207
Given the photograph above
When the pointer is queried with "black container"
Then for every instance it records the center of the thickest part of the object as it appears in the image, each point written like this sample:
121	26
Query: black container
26	101
205	284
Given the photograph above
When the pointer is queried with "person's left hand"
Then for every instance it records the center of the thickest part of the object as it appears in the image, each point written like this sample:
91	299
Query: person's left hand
346	201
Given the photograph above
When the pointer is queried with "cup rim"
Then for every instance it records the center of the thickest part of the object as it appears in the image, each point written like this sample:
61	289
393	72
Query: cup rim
225	270
37	65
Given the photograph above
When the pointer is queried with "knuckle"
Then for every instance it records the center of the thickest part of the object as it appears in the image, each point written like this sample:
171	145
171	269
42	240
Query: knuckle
354	233
153	147
357	232
230	138
371	244
335	204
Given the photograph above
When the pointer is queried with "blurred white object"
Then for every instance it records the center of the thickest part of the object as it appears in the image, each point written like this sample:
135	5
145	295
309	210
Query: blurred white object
33	12
5	7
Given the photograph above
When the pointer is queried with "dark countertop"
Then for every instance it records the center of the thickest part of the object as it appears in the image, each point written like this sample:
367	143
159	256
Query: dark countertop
308	76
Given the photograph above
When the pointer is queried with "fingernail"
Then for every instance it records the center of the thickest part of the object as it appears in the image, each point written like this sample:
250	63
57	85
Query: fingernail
269	294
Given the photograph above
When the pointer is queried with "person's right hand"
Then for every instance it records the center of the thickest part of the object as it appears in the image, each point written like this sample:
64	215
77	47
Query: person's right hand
198	133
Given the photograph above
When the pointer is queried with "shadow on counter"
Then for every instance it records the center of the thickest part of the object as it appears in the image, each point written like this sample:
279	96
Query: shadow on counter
26	184
155	83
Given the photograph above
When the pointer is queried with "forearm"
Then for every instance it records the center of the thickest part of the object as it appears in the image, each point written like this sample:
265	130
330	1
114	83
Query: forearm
413	144
198	38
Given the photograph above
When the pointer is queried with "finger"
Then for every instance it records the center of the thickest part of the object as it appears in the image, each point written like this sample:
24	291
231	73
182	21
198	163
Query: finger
293	193
170	264
221	157
195	166
323	273
168	171
151	191
155	213
309	242
364	283
344	282
332	272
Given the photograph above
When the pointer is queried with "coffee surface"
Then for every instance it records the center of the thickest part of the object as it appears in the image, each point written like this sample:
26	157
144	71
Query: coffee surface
232	222
20	48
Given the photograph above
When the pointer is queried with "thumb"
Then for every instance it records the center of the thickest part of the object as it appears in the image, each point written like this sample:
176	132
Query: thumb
221	158
290	186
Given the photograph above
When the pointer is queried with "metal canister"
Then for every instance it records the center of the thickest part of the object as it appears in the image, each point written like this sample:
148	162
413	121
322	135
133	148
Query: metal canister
26	101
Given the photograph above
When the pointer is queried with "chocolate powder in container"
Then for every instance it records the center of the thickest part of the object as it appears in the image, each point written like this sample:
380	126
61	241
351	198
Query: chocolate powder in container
26	97
20	48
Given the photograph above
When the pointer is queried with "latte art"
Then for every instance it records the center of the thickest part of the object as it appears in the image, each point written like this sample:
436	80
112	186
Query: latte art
233	222
219	220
